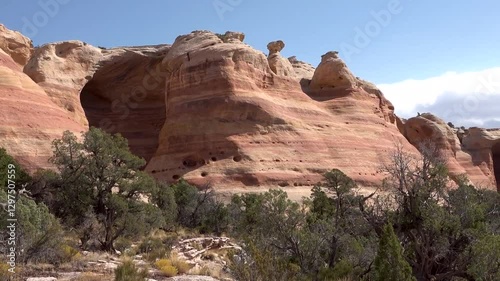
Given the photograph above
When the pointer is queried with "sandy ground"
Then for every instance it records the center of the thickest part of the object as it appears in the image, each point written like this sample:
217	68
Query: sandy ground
295	193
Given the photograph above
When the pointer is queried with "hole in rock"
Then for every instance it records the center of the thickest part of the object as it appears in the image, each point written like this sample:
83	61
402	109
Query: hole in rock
214	159
204	174
126	95
176	177
237	158
190	163
495	151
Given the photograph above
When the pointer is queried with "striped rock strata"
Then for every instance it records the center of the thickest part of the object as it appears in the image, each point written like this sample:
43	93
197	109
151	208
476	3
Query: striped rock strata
29	119
233	120
212	109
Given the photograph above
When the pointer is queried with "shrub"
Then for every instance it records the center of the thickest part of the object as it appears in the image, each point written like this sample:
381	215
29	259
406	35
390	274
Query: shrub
182	266
68	253
169	271
39	232
155	248
4	271
166	267
128	271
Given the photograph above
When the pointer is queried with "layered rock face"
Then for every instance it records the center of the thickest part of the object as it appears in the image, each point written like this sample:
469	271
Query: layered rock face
475	153
29	119
233	120
212	109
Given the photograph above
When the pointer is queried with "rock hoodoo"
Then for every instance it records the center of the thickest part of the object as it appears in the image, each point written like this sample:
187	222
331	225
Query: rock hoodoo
332	72
279	65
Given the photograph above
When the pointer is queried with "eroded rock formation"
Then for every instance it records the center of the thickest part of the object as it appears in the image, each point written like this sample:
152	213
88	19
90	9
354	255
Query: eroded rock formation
212	109
302	69
332	72
62	69
279	65
16	45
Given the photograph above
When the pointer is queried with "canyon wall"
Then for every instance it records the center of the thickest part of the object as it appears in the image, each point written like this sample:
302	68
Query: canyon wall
211	109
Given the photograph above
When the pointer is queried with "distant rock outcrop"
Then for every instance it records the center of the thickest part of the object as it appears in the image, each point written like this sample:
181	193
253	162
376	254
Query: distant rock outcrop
474	156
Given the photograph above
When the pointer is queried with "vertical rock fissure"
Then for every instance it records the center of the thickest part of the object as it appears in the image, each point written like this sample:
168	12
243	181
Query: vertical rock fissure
495	151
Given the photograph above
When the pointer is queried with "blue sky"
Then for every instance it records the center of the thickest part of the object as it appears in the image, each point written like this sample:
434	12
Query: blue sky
401	39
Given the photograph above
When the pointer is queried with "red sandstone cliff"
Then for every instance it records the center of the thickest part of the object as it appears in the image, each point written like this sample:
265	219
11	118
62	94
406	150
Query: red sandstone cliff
210	108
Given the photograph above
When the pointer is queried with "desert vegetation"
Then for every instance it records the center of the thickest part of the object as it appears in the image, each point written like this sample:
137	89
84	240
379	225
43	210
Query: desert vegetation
413	227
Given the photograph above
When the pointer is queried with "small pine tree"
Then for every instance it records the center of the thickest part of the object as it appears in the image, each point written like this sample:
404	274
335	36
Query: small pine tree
390	264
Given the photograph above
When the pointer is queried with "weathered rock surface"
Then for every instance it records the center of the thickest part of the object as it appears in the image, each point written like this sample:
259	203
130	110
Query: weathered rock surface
62	69
302	69
29	119
232	121
473	157
233	37
16	45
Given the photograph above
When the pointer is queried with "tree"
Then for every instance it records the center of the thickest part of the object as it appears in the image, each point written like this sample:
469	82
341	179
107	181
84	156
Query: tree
38	233
390	263
199	208
100	187
21	175
437	228
165	200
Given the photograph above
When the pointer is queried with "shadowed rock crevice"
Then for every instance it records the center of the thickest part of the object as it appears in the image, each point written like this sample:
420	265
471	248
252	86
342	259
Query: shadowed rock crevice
126	96
495	153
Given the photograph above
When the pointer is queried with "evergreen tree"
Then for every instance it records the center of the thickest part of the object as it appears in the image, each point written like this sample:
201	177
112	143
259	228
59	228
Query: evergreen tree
390	264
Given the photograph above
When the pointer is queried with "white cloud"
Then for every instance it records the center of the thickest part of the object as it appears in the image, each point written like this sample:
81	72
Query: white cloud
468	99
